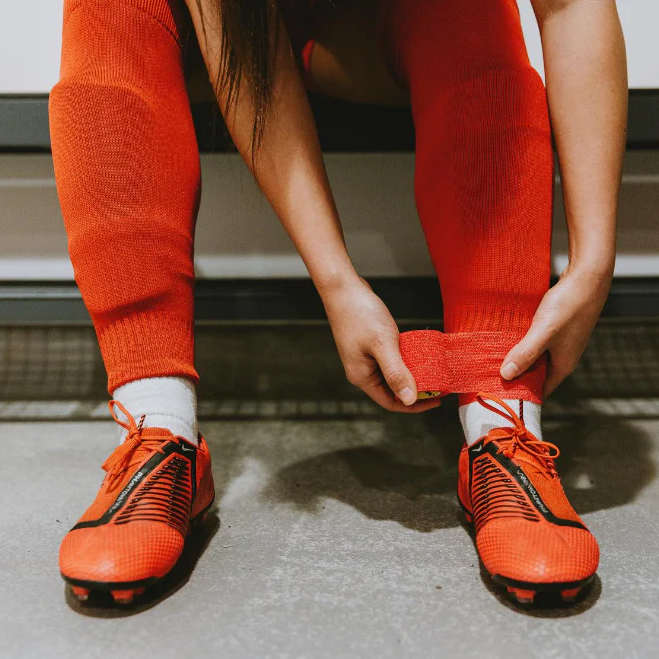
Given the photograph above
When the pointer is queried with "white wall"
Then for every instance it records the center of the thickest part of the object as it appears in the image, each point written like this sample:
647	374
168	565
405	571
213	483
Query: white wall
30	43
640	20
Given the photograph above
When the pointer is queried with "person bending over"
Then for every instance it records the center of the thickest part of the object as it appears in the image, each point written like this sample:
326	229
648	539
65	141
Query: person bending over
127	171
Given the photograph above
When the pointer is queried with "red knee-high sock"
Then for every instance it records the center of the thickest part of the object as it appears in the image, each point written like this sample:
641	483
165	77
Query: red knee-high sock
127	170
483	183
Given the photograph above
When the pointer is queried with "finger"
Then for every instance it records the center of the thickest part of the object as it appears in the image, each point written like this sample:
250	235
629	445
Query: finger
365	374
555	376
550	386
524	354
422	406
395	372
380	393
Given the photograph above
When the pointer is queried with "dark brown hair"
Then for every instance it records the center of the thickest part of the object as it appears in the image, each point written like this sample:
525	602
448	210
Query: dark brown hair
250	32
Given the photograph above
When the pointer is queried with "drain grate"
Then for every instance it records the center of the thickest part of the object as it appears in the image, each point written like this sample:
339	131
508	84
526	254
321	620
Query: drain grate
301	410
276	363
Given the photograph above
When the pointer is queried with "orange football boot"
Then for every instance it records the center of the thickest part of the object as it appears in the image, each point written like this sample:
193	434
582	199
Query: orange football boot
528	536
157	485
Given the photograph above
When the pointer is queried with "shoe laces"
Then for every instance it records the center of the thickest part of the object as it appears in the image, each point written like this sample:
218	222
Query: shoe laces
132	449
519	443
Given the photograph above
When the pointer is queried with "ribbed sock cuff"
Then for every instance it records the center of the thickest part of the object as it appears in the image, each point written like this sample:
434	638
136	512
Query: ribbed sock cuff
465	362
147	344
475	313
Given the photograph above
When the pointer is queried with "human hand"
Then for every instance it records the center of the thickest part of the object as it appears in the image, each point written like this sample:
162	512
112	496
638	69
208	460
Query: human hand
562	324
366	337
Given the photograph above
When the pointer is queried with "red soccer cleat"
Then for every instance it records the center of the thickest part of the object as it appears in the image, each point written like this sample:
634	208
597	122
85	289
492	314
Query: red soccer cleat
528	536
157	485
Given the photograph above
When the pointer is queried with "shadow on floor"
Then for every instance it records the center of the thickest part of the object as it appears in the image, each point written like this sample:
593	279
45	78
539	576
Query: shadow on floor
410	478
605	461
101	605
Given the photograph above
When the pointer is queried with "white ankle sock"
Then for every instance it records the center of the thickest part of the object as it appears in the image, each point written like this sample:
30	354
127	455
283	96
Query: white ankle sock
167	402
477	420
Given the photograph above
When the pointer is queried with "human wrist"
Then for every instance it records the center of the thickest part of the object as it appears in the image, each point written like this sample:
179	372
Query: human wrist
330	279
598	269
593	253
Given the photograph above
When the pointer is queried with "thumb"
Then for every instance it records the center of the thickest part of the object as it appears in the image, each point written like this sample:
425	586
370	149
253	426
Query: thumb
395	372
523	355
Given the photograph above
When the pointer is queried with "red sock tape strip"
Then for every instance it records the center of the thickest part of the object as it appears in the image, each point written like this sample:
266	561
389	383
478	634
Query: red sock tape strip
464	362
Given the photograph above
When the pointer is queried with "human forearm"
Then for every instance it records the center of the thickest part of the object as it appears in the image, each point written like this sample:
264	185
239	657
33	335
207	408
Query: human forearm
587	91
586	79
288	165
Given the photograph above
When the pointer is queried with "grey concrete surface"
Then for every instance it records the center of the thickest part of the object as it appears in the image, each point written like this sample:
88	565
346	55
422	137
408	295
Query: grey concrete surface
335	537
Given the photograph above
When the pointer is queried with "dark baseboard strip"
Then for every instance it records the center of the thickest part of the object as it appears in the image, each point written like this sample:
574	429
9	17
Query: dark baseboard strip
24	123
342	126
288	300
642	123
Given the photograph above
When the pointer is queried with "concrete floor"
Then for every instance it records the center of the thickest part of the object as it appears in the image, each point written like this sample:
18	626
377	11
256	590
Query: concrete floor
339	537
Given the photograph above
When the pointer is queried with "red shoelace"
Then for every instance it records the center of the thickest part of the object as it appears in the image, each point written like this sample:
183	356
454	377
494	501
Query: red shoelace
519	443
128	454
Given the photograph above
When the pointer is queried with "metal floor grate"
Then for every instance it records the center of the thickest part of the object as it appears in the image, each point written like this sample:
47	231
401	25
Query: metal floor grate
300	410
262	363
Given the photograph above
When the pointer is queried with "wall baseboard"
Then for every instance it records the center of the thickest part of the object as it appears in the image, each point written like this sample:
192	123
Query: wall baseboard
288	301
342	126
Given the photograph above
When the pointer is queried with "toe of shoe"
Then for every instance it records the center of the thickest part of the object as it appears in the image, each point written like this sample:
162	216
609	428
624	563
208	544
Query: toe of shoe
537	552
120	553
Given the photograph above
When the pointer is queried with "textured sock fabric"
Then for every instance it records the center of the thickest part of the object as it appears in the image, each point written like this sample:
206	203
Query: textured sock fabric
483	181
166	402
477	420
127	171
450	362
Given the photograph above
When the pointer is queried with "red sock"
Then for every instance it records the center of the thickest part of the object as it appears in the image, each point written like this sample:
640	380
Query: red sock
127	171
483	183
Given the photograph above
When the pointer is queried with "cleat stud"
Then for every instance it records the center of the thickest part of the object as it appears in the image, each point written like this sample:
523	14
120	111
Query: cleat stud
570	594
139	591
521	595
123	596
81	593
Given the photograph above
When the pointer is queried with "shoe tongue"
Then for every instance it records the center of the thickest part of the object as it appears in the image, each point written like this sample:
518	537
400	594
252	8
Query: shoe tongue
529	458
500	433
156	433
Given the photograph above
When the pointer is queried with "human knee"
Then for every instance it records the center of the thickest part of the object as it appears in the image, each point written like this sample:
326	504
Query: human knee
474	90
125	154
121	130
121	62
125	40
447	41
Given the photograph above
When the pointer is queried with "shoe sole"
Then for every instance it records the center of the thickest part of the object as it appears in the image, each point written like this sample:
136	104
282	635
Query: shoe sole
524	592
124	592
